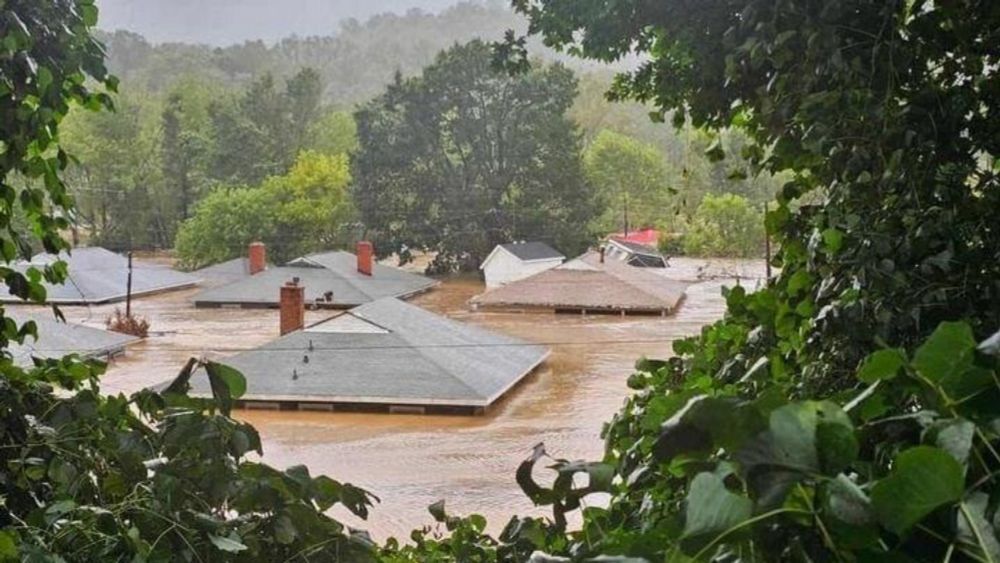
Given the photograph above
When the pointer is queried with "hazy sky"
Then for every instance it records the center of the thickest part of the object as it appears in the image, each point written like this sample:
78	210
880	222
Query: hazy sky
221	22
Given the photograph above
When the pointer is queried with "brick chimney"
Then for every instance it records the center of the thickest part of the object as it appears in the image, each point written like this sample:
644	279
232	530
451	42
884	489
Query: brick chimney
293	306
366	257
257	258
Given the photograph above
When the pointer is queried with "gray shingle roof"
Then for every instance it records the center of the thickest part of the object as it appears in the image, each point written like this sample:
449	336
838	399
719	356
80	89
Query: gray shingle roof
97	275
57	339
386	352
318	273
532	251
587	283
224	272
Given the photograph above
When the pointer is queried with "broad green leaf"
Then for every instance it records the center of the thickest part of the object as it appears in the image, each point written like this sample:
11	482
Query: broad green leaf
232	543
947	353
953	436
881	365
922	480
234	380
712	509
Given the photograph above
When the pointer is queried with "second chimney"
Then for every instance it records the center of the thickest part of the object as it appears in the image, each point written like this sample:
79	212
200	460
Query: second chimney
257	258
366	257
293	307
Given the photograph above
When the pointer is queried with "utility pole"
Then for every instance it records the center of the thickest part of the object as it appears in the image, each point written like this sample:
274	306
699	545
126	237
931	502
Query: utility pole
128	288
767	249
625	208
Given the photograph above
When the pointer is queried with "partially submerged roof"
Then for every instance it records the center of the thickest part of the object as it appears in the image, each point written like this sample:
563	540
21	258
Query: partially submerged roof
97	275
586	283
224	272
57	339
334	272
387	353
637	254
530	251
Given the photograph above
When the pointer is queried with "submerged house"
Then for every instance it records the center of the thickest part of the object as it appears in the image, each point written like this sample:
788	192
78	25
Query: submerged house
592	283
333	280
646	236
518	260
386	355
634	254
97	275
57	339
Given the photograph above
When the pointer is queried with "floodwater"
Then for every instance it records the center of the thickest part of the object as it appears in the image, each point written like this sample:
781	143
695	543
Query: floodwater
411	461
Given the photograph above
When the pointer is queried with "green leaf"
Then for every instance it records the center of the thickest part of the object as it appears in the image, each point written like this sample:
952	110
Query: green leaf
8	546
953	436
232	543
227	384
833	239
881	365
437	511
947	353
922	480
235	382
712	510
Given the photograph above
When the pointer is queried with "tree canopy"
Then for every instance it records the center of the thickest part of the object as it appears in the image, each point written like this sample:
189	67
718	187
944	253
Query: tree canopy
306	210
465	157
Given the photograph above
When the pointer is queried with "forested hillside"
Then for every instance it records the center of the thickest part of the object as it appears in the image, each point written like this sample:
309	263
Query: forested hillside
223	22
355	59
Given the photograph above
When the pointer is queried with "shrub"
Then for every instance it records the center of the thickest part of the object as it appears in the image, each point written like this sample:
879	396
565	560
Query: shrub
127	324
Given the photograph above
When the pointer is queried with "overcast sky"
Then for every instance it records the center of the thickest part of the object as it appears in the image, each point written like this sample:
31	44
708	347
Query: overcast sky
222	22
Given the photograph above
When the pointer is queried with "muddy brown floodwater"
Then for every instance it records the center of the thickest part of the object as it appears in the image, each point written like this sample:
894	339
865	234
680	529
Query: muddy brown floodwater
410	461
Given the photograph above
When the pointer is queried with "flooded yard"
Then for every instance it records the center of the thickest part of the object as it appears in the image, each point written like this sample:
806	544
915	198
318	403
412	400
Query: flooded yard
410	461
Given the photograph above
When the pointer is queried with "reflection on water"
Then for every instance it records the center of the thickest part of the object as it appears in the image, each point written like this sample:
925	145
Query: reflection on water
410	461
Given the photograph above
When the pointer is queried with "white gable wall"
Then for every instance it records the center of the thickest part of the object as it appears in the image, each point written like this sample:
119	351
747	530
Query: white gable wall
502	267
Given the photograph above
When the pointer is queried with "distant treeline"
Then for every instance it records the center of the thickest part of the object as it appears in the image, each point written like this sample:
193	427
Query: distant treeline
355	63
266	133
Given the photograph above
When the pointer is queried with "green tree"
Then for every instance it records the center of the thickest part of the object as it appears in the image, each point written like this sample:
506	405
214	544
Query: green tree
725	226
463	157
304	211
333	133
260	133
117	176
632	180
185	145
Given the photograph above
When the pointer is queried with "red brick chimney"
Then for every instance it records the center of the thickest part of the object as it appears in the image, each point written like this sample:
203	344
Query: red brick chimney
366	257
257	258
293	307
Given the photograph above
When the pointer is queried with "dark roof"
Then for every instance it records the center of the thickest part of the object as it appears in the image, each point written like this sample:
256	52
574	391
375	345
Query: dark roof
386	352
532	251
57	339
319	273
588	283
97	275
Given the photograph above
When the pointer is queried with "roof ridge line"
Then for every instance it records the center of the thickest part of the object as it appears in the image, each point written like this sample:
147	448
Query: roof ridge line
420	349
